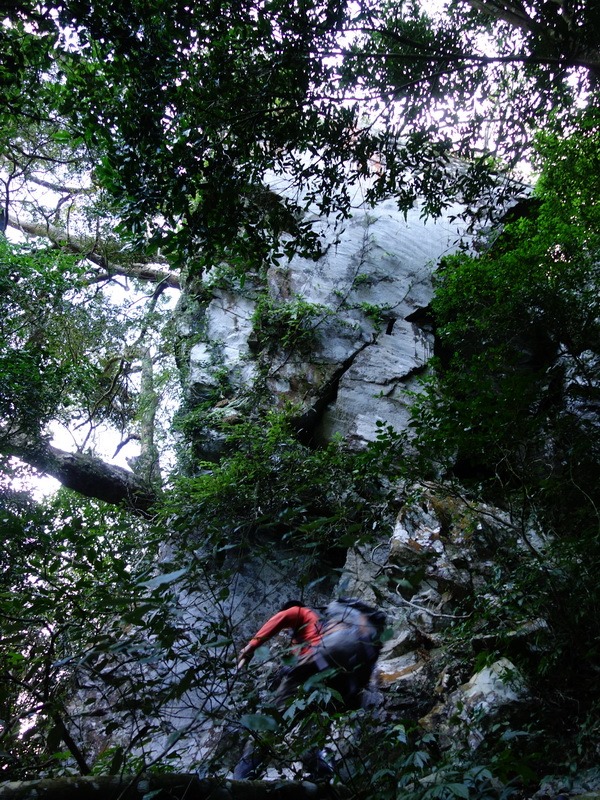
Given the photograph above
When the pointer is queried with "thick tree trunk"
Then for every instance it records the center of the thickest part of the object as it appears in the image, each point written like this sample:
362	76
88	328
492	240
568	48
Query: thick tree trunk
174	787
147	465
87	475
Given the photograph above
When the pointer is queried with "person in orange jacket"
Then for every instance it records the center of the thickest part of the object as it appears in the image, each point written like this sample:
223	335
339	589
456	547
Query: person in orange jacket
306	627
344	645
304	623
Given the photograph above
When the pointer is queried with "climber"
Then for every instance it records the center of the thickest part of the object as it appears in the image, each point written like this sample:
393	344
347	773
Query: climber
304	623
343	644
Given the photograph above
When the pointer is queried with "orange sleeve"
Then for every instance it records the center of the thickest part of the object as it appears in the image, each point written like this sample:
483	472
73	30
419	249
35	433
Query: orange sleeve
293	618
290	618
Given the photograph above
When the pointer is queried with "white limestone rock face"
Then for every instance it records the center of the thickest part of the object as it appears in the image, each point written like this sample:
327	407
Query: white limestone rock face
225	343
374	273
463	719
391	264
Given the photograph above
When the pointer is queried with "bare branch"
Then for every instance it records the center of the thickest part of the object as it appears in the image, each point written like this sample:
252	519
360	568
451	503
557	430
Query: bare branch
85	474
57	187
88	249
188	786
464	60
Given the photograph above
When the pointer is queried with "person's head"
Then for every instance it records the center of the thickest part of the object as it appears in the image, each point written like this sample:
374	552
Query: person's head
292	604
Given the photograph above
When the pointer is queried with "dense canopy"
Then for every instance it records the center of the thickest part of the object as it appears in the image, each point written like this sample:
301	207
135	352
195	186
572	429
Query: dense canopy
144	144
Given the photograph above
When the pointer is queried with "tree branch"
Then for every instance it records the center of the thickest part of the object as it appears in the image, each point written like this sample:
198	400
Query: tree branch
71	744
87	249
57	187
513	13
168	785
467	60
86	474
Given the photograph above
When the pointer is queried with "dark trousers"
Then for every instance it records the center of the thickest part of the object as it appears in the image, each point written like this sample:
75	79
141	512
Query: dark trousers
255	754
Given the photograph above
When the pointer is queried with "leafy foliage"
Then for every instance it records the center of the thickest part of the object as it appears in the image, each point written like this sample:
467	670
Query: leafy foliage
476	80
512	410
63	352
202	100
35	316
291	326
270	485
66	589
182	111
518	335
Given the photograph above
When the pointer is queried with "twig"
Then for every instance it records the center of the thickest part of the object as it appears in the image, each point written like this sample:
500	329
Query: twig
433	613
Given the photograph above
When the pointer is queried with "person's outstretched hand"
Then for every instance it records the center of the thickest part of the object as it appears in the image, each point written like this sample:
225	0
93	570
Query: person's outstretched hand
245	657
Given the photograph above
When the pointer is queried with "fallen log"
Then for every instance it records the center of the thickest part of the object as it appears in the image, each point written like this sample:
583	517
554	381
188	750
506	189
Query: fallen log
166	786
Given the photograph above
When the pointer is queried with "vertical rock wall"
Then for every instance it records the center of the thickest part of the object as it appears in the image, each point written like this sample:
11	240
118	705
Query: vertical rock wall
364	341
342	337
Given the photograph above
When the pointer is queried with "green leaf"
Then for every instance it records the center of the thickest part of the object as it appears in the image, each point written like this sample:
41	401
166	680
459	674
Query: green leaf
166	579
117	761
259	723
458	790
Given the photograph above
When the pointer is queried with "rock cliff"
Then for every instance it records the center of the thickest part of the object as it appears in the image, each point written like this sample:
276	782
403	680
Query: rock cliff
338	339
341	337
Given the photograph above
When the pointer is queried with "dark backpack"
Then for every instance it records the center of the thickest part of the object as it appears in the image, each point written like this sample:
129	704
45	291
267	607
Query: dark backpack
351	611
350	644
